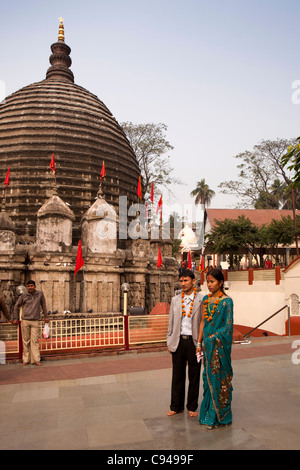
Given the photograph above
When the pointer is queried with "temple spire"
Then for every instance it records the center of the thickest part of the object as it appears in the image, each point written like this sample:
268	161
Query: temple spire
61	31
60	59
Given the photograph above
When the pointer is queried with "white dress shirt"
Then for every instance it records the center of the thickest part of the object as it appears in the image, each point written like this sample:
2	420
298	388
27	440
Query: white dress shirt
186	322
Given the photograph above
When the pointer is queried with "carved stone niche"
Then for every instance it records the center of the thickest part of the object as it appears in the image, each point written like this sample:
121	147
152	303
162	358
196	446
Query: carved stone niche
7	233
7	240
99	228
54	225
140	248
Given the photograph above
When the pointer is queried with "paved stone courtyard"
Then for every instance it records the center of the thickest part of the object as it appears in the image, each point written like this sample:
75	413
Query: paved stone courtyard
120	403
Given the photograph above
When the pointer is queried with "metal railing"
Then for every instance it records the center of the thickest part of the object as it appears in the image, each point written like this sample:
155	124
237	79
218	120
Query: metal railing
83	333
147	329
10	335
92	334
271	316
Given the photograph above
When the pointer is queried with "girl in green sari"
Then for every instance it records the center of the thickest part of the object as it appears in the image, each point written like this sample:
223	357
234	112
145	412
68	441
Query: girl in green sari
215	340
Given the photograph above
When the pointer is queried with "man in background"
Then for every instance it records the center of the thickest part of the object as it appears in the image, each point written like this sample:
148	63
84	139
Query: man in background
32	302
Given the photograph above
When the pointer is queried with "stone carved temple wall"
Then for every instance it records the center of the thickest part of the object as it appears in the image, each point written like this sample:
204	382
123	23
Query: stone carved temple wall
96	288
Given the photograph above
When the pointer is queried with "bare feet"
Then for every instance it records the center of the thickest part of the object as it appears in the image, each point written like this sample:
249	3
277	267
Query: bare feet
193	414
38	364
172	413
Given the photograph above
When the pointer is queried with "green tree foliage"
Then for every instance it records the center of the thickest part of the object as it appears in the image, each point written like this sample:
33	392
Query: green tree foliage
291	160
263	181
234	236
150	146
281	232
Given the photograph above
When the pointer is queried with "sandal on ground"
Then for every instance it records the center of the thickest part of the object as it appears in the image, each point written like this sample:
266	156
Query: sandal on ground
209	427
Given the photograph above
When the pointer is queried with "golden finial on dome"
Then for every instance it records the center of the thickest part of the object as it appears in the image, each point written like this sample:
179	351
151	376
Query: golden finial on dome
61	33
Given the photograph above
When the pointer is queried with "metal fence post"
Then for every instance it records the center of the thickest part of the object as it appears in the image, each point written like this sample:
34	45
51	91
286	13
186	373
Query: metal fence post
289	320
250	276
126	328
20	340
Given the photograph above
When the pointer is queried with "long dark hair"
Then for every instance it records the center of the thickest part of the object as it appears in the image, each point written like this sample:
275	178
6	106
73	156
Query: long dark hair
217	274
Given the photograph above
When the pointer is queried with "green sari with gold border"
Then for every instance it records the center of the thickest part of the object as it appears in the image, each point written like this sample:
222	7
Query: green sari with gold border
215	407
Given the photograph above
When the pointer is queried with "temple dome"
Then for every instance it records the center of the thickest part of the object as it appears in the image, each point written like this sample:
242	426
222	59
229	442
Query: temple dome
188	238
57	116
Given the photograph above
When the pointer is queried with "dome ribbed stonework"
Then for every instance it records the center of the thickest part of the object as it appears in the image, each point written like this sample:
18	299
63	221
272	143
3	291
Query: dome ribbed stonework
56	116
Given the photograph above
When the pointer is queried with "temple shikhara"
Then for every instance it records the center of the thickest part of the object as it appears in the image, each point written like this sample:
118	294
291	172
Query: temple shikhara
55	138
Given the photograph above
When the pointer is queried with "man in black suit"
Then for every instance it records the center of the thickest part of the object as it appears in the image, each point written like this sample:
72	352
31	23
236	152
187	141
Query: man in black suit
184	322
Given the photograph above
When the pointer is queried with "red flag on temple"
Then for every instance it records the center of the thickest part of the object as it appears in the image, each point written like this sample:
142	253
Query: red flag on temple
159	259
152	193
52	164
202	263
189	261
102	174
139	189
6	182
79	259
159	206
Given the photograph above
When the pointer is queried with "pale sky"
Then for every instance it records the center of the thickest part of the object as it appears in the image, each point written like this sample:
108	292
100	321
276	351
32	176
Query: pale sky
218	73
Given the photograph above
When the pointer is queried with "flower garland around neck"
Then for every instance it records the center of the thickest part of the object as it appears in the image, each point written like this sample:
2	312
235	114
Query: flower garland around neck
183	304
209	315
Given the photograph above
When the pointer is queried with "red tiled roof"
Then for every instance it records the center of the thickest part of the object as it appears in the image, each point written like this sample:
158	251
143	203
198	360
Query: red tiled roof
257	216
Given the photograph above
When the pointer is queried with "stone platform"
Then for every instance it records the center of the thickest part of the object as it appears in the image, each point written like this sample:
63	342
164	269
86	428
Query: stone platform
120	403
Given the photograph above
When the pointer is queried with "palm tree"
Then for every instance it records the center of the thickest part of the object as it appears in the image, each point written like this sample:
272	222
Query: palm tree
202	193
